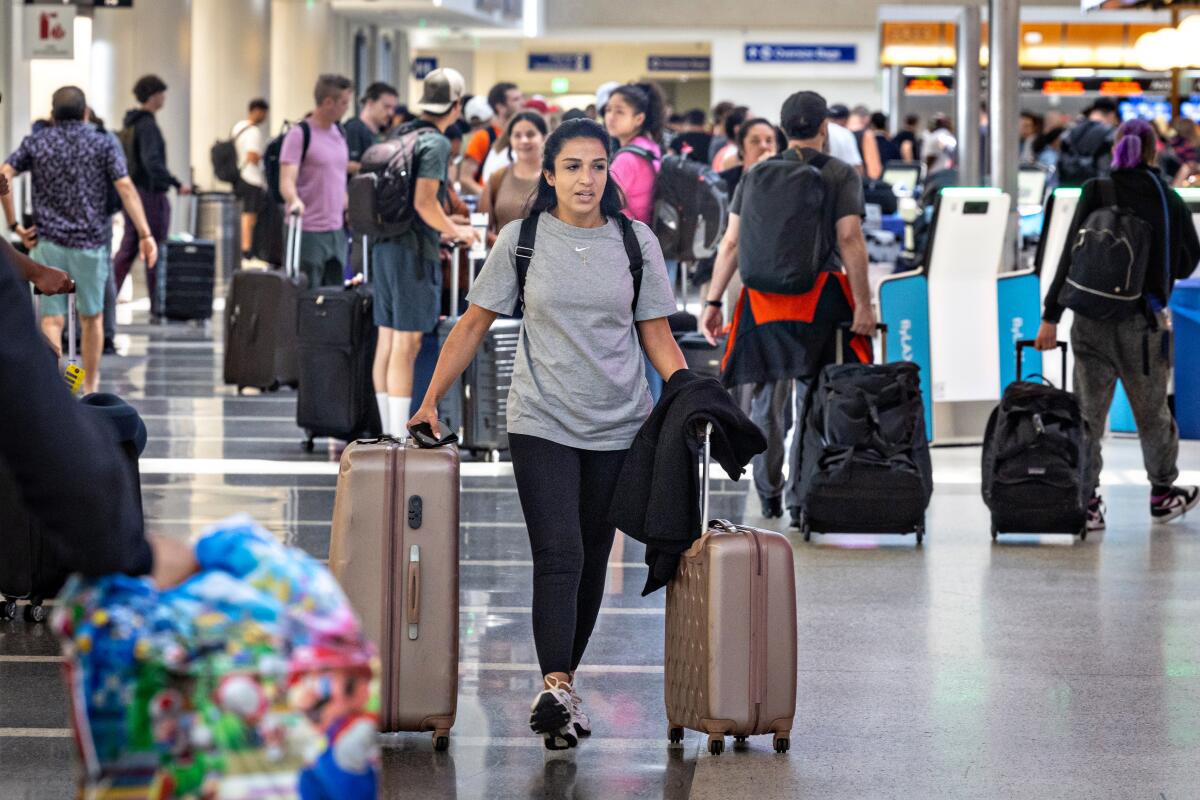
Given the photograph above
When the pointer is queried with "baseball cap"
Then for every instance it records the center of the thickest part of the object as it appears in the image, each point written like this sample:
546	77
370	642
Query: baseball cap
802	115
838	111
443	88
478	110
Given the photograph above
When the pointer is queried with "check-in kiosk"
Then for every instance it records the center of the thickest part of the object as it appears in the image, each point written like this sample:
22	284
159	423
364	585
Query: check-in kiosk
948	318
1032	181
904	178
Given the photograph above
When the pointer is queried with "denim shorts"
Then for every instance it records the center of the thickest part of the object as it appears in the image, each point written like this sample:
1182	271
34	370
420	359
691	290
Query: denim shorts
408	289
88	268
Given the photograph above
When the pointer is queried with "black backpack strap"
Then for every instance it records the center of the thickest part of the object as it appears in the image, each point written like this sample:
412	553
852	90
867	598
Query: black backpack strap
637	151
819	161
306	132
633	249
1108	191
524	254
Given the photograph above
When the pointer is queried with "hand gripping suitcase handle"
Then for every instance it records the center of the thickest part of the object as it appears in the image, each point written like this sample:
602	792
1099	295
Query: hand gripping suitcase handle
1062	346
879	326
412	600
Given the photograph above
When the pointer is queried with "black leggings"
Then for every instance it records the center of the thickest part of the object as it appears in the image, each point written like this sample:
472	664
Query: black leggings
565	494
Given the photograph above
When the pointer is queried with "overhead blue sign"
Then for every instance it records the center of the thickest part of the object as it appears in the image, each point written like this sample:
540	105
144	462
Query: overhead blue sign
801	53
679	63
423	65
560	62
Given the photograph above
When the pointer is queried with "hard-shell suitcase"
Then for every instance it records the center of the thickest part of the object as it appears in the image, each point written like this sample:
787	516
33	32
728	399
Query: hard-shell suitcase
186	272
394	549
335	329
702	358
260	322
864	459
731	634
1035	458
476	405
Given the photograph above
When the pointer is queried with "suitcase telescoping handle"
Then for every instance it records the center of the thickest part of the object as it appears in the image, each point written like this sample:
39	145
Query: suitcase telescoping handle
366	253
1062	346
72	371
845	326
291	258
705	489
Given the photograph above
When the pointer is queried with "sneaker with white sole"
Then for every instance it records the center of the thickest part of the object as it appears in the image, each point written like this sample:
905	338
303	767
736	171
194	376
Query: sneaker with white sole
1174	504
1095	514
579	718
550	716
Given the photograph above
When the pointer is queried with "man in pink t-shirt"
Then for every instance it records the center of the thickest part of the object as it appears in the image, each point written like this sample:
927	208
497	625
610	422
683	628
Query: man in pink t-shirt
312	181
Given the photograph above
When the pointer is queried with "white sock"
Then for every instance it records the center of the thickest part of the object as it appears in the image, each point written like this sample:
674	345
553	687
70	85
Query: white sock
381	400
398	416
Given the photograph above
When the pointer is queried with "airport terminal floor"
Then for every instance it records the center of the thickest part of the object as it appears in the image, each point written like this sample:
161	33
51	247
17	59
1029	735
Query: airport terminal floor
1039	666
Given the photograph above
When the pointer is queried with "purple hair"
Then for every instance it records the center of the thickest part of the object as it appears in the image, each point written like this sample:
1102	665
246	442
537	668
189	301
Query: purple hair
1136	144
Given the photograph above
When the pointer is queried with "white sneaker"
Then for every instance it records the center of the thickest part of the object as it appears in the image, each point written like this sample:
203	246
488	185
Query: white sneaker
550	715
579	718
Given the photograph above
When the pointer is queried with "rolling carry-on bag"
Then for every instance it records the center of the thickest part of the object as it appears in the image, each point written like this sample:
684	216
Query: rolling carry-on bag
731	634
260	322
394	549
1036	457
335	328
187	270
476	405
864	457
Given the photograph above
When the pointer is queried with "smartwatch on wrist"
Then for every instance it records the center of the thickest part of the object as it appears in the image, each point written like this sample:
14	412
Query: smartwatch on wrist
713	303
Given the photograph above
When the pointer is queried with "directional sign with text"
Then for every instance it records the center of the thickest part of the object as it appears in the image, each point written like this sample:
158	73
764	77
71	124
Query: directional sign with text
801	53
679	63
560	62
423	65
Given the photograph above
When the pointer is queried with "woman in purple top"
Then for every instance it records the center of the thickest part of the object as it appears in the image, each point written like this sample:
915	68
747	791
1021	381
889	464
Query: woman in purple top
634	117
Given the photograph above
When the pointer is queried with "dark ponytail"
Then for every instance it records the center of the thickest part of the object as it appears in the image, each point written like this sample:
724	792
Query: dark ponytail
611	200
646	98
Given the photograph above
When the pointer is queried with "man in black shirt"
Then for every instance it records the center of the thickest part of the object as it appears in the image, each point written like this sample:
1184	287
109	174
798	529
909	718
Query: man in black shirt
693	140
371	124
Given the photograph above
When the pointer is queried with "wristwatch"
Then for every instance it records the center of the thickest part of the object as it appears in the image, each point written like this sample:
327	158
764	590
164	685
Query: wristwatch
713	303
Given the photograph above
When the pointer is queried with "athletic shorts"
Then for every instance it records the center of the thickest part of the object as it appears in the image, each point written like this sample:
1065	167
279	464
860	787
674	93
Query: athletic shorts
252	197
88	268
408	290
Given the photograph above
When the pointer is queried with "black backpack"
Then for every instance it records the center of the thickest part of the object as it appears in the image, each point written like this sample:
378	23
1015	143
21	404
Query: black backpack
880	193
525	250
691	208
1035	461
381	194
1109	259
225	158
1086	153
786	238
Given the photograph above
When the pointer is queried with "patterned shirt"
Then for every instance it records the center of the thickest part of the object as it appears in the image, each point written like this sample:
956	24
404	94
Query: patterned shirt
71	163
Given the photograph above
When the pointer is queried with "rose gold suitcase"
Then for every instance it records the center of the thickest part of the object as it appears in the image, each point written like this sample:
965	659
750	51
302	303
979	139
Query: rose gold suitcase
731	635
394	549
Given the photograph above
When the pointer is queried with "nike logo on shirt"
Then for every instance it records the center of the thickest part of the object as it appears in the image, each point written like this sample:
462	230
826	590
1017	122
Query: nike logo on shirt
581	249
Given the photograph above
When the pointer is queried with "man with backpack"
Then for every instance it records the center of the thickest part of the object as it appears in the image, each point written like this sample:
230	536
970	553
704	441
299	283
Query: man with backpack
372	123
795	235
505	99
250	183
72	164
312	180
1086	150
146	158
407	272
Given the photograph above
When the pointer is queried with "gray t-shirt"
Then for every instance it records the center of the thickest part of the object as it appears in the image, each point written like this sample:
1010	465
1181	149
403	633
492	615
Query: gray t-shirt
579	379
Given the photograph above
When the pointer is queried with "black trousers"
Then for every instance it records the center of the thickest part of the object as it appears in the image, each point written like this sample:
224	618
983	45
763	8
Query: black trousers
565	494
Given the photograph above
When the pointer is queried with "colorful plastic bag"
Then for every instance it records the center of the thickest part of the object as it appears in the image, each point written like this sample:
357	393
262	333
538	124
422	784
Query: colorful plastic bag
252	679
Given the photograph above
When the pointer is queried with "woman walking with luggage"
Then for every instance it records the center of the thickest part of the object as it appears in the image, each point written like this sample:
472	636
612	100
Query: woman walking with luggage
1135	347
579	394
510	190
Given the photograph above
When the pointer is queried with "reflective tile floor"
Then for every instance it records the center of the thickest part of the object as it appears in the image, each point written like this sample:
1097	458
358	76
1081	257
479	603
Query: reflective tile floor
1040	667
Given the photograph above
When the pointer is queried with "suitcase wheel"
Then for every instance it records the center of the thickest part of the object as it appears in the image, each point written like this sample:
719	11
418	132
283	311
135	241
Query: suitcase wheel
740	740
36	613
805	528
782	744
995	533
307	445
920	531
1083	533
716	744
675	735
441	743
8	609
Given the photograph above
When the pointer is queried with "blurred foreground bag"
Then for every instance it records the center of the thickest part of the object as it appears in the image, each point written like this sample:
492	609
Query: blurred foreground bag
252	679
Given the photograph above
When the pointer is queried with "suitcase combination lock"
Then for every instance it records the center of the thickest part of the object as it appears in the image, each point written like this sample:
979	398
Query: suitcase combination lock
416	509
